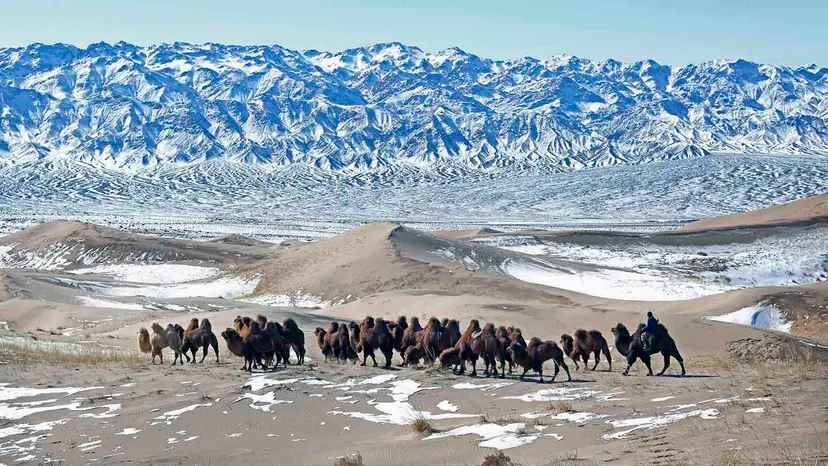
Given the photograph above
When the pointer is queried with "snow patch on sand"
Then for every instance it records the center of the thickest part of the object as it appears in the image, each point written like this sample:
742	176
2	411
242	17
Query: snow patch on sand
108	304
763	315
654	422
564	394
170	416
224	287
447	405
610	283
500	437
151	273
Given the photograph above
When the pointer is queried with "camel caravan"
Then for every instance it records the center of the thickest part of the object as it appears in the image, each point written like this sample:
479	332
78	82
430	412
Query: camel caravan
264	344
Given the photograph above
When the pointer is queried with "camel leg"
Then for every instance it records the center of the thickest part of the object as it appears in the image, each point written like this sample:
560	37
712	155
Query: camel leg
193	350
474	368
666	356
566	369
585	359
388	357
557	369
630	361
540	374
680	360
374	358
214	344
574	359
525	370
203	354
597	359
646	359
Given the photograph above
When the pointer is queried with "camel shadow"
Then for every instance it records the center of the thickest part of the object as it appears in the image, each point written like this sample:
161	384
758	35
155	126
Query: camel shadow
688	376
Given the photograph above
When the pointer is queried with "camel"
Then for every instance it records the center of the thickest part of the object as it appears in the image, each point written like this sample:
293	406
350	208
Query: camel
631	347
144	343
433	340
158	341
468	334
453	330
516	335
413	354
535	354
346	348
503	342
456	358
332	339
584	343
235	344
280	342
242	325
258	347
324	342
486	345
295	337
374	335
191	327
398	331
202	338
175	335
409	338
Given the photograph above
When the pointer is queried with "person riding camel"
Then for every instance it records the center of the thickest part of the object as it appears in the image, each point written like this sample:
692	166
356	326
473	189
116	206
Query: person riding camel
649	332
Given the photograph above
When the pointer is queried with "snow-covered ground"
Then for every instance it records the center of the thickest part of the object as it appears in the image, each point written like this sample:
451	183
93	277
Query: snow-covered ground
764	316
644	270
151	273
213	200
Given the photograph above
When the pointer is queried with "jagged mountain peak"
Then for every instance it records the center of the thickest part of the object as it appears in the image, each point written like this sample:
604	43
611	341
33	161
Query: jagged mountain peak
130	107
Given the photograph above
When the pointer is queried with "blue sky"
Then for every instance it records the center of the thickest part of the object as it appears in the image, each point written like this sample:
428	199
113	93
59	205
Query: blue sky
791	32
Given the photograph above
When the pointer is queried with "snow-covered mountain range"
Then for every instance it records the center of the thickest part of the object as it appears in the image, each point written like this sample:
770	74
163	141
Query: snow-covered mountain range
134	108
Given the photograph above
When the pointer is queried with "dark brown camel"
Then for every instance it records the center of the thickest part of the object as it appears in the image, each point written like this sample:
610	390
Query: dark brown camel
433	340
374	335
631	347
584	343
486	345
295	337
203	338
346	347
409	338
324	342
535	354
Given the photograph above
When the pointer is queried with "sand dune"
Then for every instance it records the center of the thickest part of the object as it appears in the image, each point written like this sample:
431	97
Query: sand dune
69	244
808	210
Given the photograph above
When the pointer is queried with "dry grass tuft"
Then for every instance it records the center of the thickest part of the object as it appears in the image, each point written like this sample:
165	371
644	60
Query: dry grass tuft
421	426
354	459
498	459
23	351
558	407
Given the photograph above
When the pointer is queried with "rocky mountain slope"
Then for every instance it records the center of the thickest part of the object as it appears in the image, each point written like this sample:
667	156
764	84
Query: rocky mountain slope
392	106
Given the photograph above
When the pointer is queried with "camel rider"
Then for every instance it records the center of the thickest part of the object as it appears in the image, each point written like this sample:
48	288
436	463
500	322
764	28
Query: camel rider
649	332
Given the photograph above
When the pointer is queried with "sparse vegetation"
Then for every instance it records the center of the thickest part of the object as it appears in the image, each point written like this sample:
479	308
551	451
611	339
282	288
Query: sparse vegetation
353	459
23	351
498	459
421	425
557	407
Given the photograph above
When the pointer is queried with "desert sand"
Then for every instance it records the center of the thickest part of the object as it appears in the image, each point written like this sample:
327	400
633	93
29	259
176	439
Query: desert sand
75	388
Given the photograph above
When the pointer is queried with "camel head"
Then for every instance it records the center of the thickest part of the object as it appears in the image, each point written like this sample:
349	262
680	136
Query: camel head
401	322
157	328
415	322
433	323
449	357
230	335
620	331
